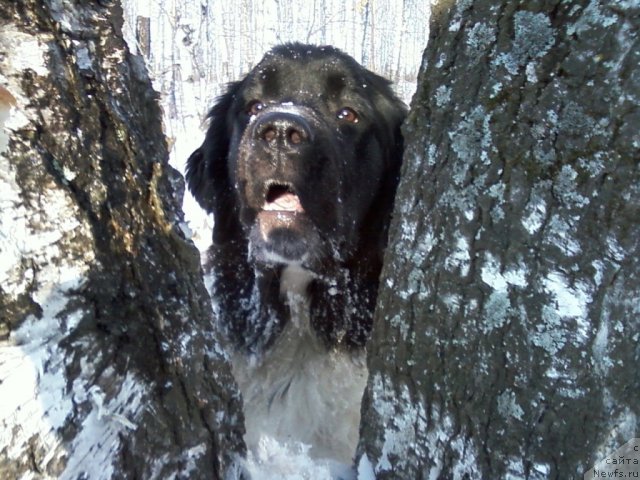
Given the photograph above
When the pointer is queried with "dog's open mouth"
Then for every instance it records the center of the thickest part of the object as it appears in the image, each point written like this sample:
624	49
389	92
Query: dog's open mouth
281	197
283	233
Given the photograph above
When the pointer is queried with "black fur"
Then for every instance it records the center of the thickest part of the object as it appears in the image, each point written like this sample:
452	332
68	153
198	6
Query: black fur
280	130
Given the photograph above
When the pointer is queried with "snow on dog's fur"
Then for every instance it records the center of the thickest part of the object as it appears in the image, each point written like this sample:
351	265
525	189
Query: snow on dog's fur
299	167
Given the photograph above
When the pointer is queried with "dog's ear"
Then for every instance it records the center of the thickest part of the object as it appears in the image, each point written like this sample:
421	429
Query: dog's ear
196	179
207	171
392	113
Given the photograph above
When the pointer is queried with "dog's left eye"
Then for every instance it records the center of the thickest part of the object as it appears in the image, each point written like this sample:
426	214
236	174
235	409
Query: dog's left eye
254	107
348	115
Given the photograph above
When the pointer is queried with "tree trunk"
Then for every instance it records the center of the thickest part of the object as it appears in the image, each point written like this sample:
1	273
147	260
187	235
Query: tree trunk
143	36
506	340
109	363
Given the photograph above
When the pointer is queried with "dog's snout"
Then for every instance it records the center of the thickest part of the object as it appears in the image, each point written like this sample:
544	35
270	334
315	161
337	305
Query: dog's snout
283	129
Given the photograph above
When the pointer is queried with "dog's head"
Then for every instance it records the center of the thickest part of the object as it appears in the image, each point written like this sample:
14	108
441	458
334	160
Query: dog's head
301	156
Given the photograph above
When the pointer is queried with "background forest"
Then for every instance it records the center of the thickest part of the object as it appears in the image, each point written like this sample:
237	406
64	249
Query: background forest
197	46
193	48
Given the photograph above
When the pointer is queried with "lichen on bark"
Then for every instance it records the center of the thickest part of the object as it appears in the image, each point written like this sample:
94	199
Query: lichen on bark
514	249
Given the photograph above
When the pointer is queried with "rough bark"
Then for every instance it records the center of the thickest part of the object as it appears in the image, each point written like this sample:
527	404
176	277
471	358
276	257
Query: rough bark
506	337
109	365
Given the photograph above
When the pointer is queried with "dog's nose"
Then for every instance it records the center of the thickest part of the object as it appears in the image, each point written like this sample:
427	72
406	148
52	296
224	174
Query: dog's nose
282	129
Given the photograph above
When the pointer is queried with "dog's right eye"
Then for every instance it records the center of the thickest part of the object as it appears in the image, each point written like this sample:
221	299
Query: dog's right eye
348	115
254	107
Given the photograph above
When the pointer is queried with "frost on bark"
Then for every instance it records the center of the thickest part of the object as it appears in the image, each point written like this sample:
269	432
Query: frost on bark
109	366
506	342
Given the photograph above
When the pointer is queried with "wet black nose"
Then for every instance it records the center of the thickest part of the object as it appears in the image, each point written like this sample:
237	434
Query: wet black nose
282	129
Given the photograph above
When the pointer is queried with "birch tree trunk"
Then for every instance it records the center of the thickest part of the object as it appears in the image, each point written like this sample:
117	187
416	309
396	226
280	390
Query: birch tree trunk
109	365
506	339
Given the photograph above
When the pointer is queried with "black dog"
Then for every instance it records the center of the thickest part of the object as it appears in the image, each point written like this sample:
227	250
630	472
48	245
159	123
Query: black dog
299	166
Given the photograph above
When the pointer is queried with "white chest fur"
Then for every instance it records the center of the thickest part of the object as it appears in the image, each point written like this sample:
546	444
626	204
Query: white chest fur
300	392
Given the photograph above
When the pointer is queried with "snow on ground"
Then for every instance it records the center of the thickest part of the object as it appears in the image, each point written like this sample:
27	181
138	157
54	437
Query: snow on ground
276	461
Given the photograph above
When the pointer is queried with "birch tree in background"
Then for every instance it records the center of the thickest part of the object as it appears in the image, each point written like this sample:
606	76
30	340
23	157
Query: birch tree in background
506	340
214	42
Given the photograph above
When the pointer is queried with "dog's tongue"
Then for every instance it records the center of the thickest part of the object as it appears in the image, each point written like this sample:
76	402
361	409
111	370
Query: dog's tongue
286	202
